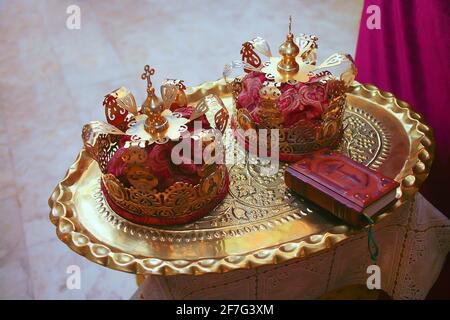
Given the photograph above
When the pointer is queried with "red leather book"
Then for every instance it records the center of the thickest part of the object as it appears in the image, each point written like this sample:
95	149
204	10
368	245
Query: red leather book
346	188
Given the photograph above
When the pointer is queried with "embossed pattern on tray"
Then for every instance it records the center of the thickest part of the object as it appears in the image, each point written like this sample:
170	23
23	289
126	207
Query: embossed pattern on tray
262	201
260	221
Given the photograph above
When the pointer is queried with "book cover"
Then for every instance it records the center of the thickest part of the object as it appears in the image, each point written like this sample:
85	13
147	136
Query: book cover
340	185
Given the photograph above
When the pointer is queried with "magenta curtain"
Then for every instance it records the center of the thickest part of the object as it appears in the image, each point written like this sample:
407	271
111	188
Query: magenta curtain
409	56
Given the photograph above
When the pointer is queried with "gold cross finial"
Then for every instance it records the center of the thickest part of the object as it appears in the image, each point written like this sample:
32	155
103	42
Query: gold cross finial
148	72
290	24
288	52
155	124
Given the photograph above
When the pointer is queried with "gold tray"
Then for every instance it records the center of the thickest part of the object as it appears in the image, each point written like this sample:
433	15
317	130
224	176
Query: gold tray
259	222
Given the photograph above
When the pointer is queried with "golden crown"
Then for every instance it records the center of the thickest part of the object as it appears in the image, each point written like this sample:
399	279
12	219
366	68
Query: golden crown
131	179
295	67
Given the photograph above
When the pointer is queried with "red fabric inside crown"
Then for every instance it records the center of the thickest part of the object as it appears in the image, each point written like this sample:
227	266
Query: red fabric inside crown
297	102
159	161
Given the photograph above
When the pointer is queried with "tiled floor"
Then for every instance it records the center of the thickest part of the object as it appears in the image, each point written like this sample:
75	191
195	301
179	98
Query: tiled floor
52	81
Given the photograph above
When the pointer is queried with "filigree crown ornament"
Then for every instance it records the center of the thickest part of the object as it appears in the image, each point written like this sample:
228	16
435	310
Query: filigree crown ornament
140	181
291	93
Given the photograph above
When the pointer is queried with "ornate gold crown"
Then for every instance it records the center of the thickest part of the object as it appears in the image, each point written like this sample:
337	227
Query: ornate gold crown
295	67
124	148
